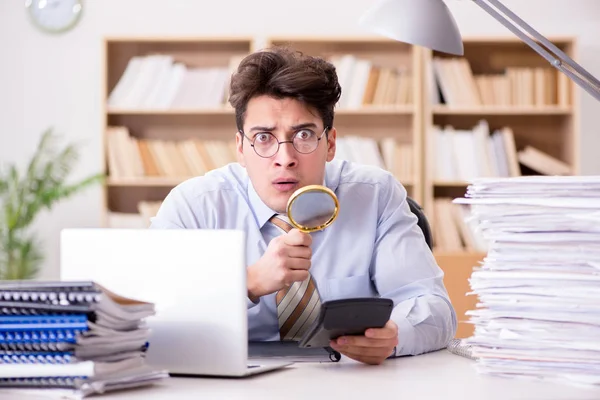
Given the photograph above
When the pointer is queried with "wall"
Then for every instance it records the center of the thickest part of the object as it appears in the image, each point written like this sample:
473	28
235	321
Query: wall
54	81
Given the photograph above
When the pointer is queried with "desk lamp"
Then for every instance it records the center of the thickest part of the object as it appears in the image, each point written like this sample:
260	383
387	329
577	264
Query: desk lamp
430	24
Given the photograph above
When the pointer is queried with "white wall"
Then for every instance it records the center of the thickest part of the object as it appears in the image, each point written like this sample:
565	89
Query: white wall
55	80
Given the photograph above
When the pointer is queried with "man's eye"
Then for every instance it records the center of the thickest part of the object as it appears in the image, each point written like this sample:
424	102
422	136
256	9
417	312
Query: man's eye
262	138
305	134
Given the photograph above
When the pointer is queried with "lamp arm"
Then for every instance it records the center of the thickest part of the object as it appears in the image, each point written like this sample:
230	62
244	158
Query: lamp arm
558	60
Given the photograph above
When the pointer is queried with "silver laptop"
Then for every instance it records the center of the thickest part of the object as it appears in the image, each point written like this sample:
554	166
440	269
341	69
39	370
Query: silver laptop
197	280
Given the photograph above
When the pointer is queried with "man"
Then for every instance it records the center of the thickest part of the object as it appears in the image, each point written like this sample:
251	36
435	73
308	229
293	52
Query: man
284	104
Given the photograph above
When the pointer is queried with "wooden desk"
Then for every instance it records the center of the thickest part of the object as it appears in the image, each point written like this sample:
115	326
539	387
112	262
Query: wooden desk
439	375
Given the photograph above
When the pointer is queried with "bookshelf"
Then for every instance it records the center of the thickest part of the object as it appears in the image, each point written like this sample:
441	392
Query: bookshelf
156	136
394	96
500	110
380	103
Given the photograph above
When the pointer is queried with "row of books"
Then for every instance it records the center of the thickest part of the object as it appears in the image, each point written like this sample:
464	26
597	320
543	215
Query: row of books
72	335
462	154
455	84
386	153
365	83
130	157
452	228
159	82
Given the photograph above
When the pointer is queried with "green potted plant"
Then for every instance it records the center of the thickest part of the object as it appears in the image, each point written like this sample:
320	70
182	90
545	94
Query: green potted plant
42	184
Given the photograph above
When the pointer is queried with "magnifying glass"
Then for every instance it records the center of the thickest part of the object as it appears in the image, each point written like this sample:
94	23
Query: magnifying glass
312	208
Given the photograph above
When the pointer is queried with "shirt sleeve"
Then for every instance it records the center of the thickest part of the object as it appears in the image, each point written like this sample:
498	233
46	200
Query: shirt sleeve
171	214
404	270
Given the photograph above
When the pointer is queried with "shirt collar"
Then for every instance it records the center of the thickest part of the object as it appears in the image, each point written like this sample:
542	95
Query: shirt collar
262	212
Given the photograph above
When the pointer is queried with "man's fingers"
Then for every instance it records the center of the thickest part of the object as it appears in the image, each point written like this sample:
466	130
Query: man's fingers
389	331
298	275
361	341
298	264
297	238
299	252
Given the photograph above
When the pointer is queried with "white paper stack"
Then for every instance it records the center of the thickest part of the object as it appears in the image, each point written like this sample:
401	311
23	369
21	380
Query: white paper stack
538	314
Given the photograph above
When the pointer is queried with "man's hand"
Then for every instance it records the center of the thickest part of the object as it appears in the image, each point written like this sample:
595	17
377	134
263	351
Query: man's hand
286	260
373	348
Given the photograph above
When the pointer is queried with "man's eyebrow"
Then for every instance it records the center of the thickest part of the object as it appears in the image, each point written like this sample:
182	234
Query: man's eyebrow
293	128
304	125
262	128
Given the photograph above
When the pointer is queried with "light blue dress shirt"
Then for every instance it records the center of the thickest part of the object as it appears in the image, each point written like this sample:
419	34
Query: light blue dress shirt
374	247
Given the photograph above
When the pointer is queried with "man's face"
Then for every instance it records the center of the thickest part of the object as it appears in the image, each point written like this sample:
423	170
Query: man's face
275	178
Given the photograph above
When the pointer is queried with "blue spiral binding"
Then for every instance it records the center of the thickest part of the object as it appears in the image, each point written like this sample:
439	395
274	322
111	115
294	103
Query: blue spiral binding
46	382
11	323
36	358
67	335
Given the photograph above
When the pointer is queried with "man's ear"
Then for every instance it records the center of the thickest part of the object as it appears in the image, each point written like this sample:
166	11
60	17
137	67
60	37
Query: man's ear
239	147
331	136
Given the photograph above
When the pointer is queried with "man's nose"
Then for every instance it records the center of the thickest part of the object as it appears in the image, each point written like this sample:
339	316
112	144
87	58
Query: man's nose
286	156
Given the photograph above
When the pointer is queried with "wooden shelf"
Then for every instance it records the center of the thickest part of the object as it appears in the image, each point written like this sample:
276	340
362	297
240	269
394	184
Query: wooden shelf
451	184
159	181
391	110
242	40
375	111
183	111
520	111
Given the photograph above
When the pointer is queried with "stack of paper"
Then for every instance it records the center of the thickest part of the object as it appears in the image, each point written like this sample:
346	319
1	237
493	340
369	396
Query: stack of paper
539	286
72	335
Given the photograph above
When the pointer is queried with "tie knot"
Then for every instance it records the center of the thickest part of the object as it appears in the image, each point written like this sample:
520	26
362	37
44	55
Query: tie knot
281	221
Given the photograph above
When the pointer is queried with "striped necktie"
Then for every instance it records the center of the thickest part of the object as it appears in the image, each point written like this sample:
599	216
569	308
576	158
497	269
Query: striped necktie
298	305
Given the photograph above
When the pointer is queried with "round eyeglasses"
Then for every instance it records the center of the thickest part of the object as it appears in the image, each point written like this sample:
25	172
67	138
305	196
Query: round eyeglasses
266	145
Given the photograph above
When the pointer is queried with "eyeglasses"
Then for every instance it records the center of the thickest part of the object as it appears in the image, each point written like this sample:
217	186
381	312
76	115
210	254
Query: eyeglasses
266	145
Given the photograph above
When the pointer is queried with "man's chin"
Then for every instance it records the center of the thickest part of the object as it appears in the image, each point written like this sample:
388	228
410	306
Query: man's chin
279	203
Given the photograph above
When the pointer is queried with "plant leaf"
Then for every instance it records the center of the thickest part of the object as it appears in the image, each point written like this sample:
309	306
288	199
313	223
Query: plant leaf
43	184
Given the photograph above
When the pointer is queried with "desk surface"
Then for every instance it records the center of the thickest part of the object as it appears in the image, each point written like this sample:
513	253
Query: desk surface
439	375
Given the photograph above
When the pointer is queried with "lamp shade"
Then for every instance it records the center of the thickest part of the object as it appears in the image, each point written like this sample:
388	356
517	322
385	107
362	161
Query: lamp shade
426	23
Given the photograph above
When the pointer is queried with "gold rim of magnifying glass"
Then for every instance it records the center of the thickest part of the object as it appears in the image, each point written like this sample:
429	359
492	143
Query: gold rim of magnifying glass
313	188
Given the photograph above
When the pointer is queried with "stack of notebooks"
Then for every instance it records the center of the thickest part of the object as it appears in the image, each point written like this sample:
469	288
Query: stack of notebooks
538	314
74	336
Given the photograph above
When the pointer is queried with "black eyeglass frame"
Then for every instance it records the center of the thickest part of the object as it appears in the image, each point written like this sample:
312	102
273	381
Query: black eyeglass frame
251	141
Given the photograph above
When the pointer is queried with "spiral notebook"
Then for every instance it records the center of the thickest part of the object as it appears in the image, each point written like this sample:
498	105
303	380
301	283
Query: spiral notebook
72	335
50	297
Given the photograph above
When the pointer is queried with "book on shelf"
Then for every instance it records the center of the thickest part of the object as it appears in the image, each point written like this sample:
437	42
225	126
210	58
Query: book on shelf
463	155
366	83
72	335
543	163
453	230
453	83
160	82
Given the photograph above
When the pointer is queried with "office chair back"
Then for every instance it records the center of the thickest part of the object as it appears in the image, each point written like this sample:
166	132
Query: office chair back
421	220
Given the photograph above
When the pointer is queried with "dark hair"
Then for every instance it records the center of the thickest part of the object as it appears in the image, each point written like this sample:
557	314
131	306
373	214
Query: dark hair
282	72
